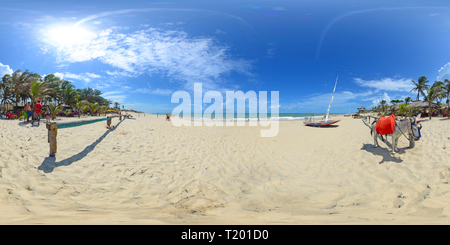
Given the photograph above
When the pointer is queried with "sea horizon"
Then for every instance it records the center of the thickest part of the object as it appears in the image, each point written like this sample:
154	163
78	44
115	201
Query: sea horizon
281	116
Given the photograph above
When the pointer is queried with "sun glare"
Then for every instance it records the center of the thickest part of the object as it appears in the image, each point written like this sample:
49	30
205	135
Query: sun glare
65	36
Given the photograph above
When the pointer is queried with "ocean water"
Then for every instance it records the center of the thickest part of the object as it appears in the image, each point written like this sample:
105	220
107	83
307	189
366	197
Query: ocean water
246	116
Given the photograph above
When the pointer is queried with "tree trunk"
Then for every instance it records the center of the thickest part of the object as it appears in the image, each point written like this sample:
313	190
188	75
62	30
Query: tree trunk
429	111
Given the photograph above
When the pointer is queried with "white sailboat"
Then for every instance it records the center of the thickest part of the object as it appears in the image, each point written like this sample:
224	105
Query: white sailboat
326	120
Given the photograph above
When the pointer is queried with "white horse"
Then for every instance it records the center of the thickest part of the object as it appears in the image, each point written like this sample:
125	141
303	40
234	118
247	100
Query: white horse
410	128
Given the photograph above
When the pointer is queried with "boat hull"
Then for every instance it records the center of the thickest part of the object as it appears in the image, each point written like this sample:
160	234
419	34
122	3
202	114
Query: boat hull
321	123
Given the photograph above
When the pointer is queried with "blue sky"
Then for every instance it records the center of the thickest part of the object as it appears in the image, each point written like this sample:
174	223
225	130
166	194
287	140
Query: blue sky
138	53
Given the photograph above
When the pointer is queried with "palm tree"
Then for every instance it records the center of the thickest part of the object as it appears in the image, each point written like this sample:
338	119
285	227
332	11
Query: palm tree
116	105
411	110
383	103
420	86
408	100
93	108
20	86
54	85
20	83
438	83
85	109
433	94
39	90
86	94
64	84
394	102
403	108
69	94
79	105
5	87
54	109
393	109
68	111
446	89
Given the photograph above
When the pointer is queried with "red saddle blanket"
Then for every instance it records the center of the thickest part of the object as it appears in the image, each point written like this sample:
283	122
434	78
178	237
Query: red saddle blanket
386	125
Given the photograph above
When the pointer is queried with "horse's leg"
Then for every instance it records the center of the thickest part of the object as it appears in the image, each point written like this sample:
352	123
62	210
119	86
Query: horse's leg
412	143
393	144
375	136
396	143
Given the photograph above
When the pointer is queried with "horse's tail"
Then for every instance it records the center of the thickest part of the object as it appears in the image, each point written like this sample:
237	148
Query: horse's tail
371	128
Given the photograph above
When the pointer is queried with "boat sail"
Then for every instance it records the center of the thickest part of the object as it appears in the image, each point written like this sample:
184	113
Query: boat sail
326	121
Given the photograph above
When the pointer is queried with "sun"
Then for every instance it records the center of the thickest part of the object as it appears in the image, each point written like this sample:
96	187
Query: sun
67	36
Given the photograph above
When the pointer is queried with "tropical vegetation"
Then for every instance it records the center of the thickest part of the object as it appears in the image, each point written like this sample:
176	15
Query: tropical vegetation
435	93
420	86
60	94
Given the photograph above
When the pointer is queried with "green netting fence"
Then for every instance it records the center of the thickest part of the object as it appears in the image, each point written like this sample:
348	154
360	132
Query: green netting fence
76	124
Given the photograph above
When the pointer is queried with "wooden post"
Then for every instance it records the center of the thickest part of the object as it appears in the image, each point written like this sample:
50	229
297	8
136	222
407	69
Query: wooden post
47	125
109	121
52	132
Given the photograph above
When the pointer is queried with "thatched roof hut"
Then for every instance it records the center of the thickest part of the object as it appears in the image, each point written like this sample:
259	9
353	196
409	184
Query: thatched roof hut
361	109
423	104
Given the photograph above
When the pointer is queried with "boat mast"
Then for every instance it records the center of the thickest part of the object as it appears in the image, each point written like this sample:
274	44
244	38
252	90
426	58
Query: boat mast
328	111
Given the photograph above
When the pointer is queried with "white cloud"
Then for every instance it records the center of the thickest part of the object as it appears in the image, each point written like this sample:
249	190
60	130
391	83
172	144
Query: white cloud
86	77
4	69
121	74
115	96
61	66
321	102
387	84
270	52
377	101
219	32
154	91
92	75
170	52
59	75
435	14
444	73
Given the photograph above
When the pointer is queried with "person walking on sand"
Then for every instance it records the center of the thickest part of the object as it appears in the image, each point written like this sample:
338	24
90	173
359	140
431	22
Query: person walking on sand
38	112
47	113
28	111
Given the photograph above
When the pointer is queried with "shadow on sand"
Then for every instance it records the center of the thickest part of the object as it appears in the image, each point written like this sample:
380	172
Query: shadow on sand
384	152
50	163
35	124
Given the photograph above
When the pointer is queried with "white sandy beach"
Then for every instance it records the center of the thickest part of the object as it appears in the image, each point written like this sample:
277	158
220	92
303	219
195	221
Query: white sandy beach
147	171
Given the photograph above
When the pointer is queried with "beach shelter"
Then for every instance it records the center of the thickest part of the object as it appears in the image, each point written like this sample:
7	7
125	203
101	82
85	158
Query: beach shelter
361	109
423	104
